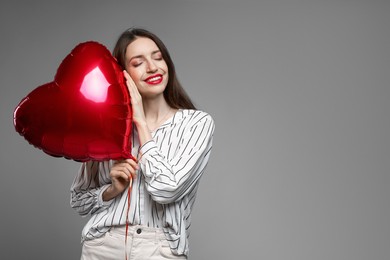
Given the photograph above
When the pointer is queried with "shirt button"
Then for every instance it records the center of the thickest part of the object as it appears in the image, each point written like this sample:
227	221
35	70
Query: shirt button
139	231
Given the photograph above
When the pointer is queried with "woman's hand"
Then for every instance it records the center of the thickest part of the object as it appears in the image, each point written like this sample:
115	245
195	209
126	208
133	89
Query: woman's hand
139	118
136	101
122	172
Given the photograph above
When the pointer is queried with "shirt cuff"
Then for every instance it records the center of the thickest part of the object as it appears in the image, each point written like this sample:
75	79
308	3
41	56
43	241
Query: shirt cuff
100	201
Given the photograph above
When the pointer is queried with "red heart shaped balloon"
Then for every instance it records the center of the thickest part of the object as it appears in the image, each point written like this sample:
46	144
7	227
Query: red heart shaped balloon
85	113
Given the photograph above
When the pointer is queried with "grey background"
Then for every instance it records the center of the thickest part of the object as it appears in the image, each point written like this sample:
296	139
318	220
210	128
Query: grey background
299	92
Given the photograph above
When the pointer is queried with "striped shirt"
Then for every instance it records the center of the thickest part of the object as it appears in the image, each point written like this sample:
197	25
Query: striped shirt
164	192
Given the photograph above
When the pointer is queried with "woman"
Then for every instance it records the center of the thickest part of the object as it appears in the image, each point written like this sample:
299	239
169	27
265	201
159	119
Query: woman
172	143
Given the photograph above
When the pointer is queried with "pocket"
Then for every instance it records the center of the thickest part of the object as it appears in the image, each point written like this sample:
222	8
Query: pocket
95	242
166	252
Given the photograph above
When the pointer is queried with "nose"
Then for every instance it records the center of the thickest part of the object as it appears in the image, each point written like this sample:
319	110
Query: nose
151	66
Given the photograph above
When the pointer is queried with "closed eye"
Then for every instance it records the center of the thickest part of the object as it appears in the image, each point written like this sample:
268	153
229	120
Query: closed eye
157	55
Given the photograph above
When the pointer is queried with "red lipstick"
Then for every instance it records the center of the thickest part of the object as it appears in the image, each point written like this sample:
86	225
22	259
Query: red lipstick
154	79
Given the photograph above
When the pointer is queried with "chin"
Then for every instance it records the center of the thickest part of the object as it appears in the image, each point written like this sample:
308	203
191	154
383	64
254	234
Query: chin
152	92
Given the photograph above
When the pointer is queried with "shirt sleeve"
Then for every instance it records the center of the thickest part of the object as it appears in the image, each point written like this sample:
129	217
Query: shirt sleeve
88	187
168	180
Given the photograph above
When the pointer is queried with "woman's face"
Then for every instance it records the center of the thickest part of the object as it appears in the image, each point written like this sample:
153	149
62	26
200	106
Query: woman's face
146	66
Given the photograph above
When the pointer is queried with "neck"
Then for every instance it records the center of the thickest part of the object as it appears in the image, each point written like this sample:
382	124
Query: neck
155	109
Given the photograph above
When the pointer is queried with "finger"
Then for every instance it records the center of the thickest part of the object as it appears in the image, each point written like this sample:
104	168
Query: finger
123	166
133	92
132	167
120	175
129	81
131	86
127	169
133	163
126	74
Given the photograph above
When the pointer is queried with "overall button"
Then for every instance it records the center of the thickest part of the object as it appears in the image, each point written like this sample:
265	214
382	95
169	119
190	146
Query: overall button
139	231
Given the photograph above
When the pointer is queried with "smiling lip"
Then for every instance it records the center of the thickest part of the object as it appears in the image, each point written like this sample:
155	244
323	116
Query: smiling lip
154	79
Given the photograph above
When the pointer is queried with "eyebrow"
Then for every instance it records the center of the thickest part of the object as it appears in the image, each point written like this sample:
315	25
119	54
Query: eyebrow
140	56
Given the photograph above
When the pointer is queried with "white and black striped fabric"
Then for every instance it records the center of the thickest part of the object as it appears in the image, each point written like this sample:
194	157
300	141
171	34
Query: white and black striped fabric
164	191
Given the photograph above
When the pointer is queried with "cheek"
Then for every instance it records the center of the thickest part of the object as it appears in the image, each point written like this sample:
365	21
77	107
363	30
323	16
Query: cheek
165	67
166	79
134	74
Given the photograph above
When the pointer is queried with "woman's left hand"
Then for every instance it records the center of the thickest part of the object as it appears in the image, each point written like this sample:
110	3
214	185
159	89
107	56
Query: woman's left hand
136	101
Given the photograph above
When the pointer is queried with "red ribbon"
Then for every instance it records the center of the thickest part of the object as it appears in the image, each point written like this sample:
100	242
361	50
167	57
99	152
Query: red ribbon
127	212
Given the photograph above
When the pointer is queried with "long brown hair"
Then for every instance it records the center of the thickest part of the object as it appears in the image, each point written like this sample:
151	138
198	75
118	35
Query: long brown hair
174	93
